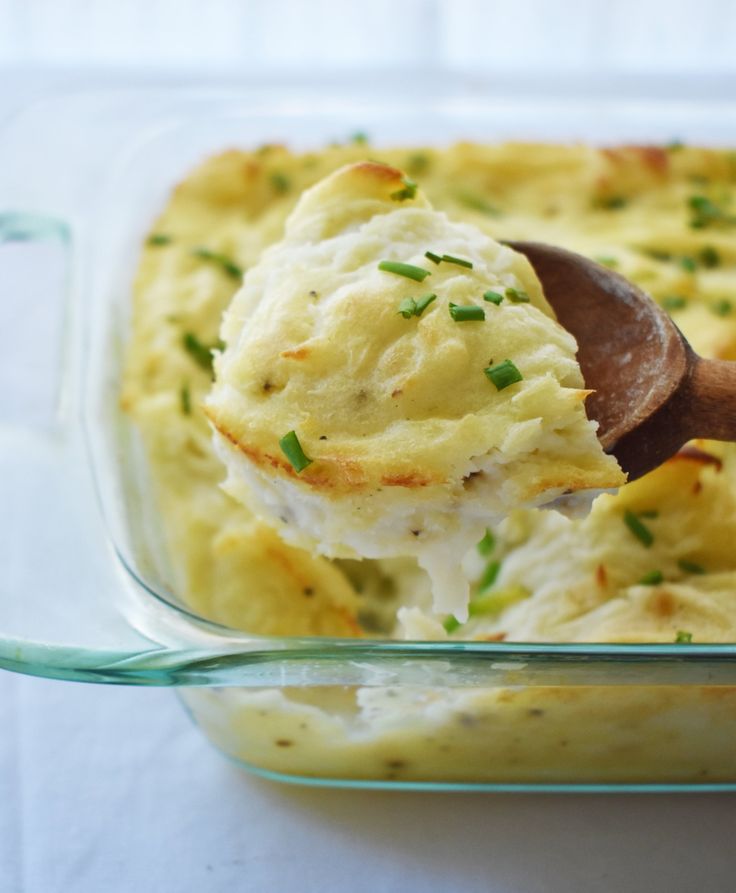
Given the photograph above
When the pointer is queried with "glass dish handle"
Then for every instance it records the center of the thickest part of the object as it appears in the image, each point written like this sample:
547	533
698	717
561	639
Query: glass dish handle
67	609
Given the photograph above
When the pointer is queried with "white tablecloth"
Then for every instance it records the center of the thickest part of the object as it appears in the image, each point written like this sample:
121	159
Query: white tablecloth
111	790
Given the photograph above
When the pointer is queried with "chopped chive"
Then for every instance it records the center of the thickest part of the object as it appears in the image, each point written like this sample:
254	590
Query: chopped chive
435	258
649	513
722	307
496	601
675	146
279	182
158	239
225	263
709	257
201	353
611	202
683	637
503	374
359	137
652	578
638	528
293	451
487	544
705	212
489	575
674	302
606	261
516	296
690	567
469	313
688	264
409	190
185	397
424	302
460	261
451	624
477	203
493	297
658	254
417	163
415	306
409	270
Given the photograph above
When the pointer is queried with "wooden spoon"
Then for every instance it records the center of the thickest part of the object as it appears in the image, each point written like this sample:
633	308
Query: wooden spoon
653	393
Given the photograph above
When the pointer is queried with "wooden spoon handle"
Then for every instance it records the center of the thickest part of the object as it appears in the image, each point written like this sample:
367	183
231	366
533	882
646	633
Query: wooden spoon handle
712	399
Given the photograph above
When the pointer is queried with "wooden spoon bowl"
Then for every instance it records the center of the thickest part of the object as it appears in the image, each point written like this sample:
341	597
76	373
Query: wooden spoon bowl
653	393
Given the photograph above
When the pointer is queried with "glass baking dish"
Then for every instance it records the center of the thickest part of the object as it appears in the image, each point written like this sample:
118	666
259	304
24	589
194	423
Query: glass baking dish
86	593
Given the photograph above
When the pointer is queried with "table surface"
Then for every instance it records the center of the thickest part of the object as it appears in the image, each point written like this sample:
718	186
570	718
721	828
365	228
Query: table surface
112	789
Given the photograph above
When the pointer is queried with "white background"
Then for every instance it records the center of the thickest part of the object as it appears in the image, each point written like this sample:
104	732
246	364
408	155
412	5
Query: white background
105	790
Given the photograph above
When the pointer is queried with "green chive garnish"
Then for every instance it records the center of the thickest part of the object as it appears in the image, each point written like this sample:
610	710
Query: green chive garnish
487	544
469	313
158	239
359	137
706	212
409	270
709	257
185	397
638	528
488	578
293	451
612	202
493	297
201	353
280	182
423	303
688	264
516	296
674	302
606	261
415	306
683	638
416	164
722	307
489	604
690	567
409	190
503	374
460	261
225	263
435	258
477	203
652	578
451	624
675	146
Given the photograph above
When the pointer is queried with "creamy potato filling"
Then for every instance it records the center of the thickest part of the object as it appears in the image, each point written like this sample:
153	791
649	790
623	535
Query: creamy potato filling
659	216
414	400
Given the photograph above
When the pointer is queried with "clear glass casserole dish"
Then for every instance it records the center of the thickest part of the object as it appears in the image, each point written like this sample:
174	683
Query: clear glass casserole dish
86	591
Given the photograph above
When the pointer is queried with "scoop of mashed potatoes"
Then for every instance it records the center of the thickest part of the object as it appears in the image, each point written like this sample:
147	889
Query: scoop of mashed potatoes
394	381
